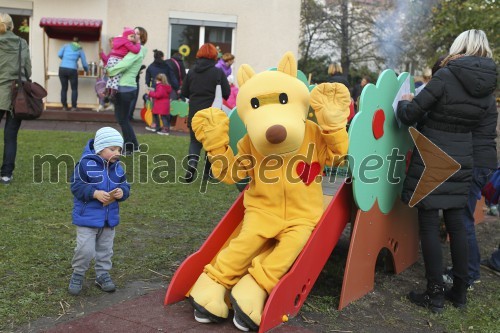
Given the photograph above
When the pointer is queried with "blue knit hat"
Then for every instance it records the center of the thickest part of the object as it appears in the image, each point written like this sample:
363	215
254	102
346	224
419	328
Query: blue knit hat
107	137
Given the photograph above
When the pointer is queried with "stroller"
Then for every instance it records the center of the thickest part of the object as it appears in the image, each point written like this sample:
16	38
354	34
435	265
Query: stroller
100	89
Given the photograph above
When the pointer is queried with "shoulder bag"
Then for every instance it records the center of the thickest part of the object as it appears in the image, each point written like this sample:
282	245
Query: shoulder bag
27	96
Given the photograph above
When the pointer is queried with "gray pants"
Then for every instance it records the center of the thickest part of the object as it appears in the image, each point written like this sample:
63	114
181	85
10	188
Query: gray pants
93	243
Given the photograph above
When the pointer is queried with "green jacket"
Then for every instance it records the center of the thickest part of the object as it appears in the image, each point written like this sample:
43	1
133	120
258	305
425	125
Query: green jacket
129	67
9	65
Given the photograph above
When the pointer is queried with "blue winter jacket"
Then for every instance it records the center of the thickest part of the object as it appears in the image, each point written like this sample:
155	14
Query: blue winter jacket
70	57
91	174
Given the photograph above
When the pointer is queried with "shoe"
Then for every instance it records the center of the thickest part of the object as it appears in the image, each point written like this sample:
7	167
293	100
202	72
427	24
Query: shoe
6	180
163	131
190	175
100	108
432	298
457	295
448	275
152	127
486	264
128	152
75	284
104	282
74	109
110	107
201	317
493	211
65	108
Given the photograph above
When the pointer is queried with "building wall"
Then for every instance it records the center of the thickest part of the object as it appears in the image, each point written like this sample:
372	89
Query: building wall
265	30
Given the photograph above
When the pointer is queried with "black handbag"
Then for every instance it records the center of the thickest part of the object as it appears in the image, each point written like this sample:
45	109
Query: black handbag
27	97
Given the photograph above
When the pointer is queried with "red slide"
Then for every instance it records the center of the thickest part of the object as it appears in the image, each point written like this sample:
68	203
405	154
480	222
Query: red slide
290	293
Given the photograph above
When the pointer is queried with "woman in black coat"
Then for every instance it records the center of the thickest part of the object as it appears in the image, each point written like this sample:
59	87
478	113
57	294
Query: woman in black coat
199	87
335	75
454	104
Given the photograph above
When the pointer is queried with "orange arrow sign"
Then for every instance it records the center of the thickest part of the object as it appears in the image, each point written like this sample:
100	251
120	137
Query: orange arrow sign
439	166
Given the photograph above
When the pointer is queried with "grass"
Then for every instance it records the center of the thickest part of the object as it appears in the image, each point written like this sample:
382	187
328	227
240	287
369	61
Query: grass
161	224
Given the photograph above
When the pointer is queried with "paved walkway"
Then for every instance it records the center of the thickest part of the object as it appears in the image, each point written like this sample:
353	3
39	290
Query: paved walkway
82	126
146	314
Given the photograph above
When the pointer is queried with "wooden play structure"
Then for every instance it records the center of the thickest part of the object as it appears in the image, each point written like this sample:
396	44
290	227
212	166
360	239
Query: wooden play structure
367	198
64	29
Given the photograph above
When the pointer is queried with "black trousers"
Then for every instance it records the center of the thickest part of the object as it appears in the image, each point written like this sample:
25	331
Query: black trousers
122	113
429	226
194	154
11	130
68	75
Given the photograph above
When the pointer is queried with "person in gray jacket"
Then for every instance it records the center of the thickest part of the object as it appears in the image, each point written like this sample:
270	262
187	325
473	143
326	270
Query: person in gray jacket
9	69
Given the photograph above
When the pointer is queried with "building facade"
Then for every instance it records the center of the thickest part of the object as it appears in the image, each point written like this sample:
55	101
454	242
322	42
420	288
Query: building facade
257	32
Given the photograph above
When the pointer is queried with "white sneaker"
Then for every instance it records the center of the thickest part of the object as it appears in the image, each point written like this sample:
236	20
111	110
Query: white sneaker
110	107
100	108
6	180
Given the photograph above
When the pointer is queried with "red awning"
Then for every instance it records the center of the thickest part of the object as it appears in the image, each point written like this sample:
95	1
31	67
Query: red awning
67	28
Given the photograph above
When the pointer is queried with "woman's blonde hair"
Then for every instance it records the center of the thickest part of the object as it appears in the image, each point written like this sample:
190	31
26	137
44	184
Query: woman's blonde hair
6	23
471	43
227	56
161	77
334	68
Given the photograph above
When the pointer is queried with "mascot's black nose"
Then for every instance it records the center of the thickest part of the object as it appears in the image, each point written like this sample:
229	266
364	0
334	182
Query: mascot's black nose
276	134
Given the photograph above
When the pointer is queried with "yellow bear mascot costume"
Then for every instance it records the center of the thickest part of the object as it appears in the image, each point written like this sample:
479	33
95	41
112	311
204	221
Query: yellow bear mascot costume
284	154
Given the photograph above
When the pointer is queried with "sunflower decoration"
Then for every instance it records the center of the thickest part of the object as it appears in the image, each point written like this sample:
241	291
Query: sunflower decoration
184	50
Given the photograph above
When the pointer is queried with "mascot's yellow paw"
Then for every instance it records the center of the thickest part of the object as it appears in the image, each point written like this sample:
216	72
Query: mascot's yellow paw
330	102
248	300
207	298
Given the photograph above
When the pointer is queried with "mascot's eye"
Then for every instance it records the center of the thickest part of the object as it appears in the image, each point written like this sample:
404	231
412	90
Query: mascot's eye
255	103
283	98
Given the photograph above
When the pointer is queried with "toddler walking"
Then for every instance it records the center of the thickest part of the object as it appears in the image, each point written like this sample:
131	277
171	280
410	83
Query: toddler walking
121	46
98	184
161	105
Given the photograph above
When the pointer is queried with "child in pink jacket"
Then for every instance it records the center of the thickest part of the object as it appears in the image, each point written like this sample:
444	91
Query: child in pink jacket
121	46
161	105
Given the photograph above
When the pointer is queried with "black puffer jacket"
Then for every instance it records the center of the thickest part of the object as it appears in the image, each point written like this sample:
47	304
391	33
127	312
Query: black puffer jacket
199	86
457	104
339	78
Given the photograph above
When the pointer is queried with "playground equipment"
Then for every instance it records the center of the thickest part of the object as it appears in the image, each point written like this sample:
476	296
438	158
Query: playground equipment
177	108
380	220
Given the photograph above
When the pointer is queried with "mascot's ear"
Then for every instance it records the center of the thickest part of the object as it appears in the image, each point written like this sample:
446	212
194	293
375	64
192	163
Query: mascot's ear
244	74
288	64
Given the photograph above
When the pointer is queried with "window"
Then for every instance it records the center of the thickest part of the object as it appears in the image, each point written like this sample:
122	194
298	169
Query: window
195	29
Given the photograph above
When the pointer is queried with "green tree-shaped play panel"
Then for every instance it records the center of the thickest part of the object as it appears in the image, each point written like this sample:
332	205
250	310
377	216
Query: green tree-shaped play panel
378	146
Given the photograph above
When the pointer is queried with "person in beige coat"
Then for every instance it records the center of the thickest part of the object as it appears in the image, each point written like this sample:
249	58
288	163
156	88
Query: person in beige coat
9	69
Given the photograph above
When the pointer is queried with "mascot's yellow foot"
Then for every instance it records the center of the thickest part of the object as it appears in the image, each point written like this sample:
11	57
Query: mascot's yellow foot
248	300
207	298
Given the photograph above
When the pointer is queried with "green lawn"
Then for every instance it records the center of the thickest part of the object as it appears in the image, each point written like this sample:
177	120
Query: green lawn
161	223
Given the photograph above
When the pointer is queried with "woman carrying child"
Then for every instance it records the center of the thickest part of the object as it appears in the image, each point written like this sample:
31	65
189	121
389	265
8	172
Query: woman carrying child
121	46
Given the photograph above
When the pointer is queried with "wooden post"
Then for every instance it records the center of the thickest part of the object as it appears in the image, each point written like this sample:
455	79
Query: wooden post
309	79
45	74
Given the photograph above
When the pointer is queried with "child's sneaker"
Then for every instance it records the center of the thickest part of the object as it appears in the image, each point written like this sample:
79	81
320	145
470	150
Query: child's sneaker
152	127
448	275
104	282
100	108
75	284
110	107
163	131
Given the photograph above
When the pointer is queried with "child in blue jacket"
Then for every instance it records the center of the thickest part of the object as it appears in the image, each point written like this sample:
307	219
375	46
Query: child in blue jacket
98	184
